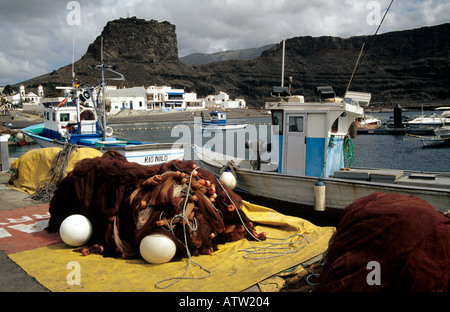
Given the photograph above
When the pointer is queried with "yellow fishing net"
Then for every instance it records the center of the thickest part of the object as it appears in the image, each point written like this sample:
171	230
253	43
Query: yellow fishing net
31	170
234	267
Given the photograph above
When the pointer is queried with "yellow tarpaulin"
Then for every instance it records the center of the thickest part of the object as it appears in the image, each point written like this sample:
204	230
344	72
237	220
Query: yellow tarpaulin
31	169
232	269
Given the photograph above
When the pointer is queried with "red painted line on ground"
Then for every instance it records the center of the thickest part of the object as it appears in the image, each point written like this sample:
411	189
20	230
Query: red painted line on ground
24	229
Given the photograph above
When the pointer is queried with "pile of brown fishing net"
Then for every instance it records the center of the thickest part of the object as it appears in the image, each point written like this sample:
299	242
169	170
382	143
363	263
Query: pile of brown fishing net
126	201
405	235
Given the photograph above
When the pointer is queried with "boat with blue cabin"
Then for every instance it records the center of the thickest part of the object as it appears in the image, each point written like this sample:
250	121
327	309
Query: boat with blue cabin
308	161
218	121
80	122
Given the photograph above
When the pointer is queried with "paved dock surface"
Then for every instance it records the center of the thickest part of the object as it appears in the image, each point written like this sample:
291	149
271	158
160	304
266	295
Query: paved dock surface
12	277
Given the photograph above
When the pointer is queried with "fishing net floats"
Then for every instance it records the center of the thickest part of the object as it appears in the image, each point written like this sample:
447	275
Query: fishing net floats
177	203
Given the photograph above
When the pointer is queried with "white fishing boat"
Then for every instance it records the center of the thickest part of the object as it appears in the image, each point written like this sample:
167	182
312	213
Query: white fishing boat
81	122
218	121
433	120
369	122
310	147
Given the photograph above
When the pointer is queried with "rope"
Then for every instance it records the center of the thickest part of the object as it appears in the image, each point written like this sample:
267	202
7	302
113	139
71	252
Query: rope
275	249
348	151
271	249
190	261
45	192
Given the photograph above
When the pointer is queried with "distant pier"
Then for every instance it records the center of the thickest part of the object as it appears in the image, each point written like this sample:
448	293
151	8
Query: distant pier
398	131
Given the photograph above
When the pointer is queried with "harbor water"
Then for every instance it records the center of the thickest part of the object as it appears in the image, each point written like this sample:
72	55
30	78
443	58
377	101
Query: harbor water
370	151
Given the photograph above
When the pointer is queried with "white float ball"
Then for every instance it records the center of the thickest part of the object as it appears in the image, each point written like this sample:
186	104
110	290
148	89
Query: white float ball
157	248
75	230
20	136
228	178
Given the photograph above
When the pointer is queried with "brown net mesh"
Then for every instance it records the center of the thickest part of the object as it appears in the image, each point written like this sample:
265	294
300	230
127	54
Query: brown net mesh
126	201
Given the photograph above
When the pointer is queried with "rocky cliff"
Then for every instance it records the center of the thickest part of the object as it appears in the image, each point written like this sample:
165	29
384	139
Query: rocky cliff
411	65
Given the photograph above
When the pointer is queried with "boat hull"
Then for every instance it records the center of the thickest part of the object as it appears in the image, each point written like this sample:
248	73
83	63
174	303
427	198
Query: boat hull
339	192
435	142
145	154
212	126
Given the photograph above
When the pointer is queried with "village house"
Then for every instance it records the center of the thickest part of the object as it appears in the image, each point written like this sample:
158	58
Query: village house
128	98
164	98
222	101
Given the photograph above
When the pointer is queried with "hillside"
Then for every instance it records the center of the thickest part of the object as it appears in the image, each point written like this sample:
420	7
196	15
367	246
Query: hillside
403	66
244	54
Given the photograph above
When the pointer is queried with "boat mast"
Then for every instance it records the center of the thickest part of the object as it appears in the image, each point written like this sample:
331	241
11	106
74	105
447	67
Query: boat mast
359	62
103	93
74	89
103	86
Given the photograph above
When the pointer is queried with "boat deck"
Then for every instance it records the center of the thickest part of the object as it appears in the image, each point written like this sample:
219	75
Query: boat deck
417	179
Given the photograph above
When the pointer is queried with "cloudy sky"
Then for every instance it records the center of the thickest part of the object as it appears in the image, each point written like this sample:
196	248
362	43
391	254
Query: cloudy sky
36	35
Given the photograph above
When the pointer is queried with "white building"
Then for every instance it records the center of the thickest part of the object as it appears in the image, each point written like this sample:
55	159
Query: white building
222	100
192	103
128	98
151	98
30	97
165	99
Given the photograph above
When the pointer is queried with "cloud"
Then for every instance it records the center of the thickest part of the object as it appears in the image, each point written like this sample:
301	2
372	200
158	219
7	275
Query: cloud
36	37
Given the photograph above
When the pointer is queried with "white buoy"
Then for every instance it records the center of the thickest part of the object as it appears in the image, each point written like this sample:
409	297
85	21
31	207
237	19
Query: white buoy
109	131
20	137
157	248
228	178
75	230
319	196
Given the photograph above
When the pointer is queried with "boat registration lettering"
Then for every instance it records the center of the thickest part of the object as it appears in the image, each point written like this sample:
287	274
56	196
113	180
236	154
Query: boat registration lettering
153	159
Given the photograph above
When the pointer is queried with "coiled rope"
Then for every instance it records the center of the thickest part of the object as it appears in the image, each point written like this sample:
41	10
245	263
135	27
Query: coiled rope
348	152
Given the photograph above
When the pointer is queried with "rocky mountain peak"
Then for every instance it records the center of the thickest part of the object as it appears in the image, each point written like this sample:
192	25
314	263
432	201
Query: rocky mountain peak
136	40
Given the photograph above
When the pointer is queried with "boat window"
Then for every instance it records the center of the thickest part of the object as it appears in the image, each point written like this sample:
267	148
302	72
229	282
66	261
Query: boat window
335	125
277	120
64	117
54	116
295	123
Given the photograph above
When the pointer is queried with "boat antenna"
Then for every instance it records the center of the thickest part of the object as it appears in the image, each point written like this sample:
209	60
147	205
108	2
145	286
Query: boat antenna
358	64
103	86
282	64
73	61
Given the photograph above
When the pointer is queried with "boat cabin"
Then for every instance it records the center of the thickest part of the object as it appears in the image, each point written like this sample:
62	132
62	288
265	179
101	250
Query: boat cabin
62	121
218	117
312	136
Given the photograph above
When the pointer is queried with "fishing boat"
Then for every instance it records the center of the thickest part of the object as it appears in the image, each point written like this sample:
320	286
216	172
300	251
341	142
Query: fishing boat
369	122
441	138
81	122
218	121
309	162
